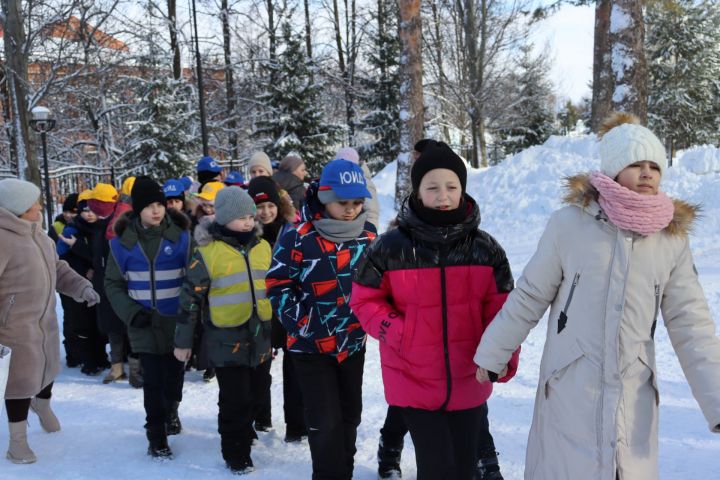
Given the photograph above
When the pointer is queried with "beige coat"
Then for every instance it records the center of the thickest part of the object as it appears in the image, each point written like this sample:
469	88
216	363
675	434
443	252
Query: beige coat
29	273
596	407
372	206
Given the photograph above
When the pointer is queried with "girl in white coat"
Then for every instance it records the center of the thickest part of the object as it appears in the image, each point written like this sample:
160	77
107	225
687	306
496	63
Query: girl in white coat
607	265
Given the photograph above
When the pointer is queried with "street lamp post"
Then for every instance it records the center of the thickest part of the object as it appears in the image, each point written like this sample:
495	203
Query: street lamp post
42	122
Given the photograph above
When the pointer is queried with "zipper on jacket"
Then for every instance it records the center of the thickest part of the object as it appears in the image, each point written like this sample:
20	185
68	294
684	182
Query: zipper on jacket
246	254
7	312
446	349
657	310
562	320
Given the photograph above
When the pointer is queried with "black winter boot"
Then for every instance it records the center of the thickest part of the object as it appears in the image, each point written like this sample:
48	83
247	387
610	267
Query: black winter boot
240	467
236	453
488	467
389	460
173	425
158	446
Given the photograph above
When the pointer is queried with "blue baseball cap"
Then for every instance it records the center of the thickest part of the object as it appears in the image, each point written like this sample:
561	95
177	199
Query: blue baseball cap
234	178
174	189
342	180
208	164
187	182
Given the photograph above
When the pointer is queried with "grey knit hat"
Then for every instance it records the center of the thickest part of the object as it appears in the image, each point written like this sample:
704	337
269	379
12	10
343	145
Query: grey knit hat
290	163
232	203
17	196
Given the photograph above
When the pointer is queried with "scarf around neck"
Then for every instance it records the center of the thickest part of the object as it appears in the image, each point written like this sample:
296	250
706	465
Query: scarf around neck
643	214
340	231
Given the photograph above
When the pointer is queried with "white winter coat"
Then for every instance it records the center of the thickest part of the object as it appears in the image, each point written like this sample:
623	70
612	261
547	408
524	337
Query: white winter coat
596	407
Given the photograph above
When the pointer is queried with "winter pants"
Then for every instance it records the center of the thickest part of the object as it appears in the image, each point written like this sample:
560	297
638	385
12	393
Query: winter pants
119	346
261	395
17	410
82	339
394	430
235	416
332	395
164	377
292	398
445	442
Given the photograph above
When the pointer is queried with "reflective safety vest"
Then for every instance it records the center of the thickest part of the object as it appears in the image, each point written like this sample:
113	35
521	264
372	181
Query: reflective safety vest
157	287
237	282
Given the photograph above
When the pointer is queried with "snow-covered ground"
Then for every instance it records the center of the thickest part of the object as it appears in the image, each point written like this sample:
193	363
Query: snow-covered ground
102	434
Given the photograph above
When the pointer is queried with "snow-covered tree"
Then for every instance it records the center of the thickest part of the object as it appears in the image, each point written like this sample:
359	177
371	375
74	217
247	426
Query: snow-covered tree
683	51
294	120
530	119
382	89
161	136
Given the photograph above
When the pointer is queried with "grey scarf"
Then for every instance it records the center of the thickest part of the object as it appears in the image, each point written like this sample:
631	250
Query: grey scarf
340	231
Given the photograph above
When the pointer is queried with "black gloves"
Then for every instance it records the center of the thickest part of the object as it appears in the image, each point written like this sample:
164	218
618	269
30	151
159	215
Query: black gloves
142	319
493	376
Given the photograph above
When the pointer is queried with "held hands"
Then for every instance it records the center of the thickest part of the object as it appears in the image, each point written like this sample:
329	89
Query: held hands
182	354
90	296
482	375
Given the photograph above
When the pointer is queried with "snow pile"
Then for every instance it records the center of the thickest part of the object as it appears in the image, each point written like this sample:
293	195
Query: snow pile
701	160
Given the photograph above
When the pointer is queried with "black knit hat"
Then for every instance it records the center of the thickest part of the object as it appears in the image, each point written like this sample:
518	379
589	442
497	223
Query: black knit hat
144	192
70	203
438	156
264	189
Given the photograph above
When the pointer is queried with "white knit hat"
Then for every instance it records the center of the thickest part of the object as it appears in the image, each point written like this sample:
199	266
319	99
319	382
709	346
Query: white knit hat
17	196
261	159
349	154
626	144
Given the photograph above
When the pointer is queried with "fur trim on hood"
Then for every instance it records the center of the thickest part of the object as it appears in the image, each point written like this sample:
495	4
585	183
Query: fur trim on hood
579	191
178	218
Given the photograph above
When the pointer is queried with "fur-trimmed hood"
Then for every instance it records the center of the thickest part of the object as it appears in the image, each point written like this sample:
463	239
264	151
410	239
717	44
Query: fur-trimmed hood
125	220
579	191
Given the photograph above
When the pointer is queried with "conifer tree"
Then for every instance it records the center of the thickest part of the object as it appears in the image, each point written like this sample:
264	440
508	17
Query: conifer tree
293	119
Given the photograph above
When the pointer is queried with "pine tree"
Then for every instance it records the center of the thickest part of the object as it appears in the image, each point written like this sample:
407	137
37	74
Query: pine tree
161	136
382	89
293	121
530	117
683	51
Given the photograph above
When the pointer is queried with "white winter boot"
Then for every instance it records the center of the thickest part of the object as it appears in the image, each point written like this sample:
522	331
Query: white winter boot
48	421
19	450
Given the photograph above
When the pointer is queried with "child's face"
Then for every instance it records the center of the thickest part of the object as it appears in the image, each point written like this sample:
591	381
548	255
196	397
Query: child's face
345	210
258	171
641	177
267	212
68	216
88	216
242	224
440	189
175	204
152	215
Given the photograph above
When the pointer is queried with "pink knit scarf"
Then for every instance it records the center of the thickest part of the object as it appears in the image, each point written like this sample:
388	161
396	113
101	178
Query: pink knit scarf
643	214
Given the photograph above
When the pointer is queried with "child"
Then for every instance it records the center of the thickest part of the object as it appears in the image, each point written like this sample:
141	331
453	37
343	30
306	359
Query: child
427	290
272	212
225	288
607	264
144	274
309	285
82	339
174	191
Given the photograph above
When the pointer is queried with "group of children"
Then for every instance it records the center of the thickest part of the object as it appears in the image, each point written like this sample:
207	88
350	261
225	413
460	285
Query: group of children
258	279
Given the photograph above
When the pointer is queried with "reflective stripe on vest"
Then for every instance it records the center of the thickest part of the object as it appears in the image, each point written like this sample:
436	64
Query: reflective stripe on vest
168	269
231	296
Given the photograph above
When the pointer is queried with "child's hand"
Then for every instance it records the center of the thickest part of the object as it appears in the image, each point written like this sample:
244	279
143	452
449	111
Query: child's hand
182	354
481	375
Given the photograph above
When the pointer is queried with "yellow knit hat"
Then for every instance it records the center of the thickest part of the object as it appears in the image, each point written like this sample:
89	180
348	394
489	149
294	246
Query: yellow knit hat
127	186
210	190
104	192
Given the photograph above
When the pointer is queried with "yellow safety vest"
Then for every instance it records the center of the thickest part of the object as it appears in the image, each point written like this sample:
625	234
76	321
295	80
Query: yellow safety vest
231	292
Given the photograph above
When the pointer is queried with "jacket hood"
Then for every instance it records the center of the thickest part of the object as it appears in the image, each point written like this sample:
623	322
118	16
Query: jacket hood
10	221
408	220
579	191
125	220
312	208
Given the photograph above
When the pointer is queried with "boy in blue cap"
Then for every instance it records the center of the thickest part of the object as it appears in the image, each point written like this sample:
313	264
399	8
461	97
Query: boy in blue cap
309	285
208	170
174	191
236	179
